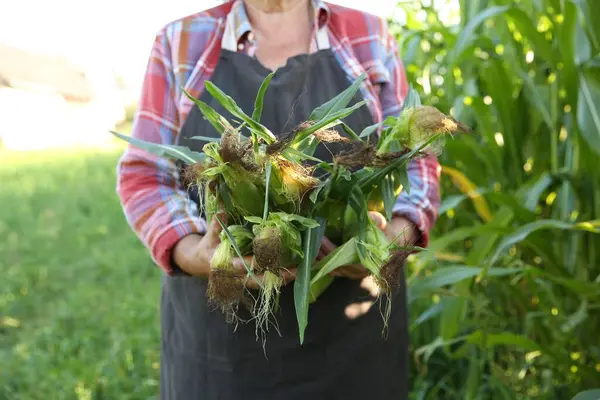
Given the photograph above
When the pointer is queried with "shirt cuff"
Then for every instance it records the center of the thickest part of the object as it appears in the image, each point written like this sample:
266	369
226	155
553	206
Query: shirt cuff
162	248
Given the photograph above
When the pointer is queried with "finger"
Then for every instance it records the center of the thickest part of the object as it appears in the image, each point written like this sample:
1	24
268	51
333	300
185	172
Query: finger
327	246
215	228
379	219
241	265
254	281
357	271
289	275
321	255
350	272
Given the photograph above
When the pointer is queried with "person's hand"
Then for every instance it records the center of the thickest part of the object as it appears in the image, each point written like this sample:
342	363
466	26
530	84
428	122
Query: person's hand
399	230
194	253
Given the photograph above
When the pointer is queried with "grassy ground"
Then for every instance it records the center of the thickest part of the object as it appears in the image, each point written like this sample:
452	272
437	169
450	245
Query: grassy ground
79	296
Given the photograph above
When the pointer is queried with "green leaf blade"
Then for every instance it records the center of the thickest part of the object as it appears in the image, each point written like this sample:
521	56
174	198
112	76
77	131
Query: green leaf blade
338	102
312	239
180	153
258	103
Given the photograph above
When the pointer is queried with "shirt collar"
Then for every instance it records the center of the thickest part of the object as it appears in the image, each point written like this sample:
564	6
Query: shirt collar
242	23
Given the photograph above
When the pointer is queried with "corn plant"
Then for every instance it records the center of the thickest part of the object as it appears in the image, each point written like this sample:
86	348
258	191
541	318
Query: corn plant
504	304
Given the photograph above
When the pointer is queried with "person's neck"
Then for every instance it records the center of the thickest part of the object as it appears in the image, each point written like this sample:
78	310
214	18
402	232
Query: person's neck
272	18
274	6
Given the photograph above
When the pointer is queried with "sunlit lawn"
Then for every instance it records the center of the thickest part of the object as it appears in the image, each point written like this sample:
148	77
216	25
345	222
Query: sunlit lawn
79	296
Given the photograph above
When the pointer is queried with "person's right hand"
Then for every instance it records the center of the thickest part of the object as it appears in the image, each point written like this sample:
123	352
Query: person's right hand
194	253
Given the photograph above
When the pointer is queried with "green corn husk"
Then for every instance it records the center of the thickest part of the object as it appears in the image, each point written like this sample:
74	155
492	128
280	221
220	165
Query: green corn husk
277	245
240	190
416	125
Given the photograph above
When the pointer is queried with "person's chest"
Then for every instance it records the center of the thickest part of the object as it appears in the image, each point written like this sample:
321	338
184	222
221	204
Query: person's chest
200	66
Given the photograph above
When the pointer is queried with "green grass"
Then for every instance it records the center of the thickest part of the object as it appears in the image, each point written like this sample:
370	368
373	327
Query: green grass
79	294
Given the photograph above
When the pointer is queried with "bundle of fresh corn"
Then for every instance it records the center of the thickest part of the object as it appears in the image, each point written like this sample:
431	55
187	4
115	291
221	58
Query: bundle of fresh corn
281	200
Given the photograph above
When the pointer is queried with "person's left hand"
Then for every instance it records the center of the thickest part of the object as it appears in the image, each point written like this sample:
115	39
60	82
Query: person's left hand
399	229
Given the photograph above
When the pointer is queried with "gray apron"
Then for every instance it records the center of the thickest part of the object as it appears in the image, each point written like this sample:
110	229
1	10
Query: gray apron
205	358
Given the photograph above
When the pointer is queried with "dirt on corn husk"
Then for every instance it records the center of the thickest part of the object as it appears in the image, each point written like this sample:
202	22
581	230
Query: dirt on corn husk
226	291
331	136
383	159
192	174
361	155
285	139
232	150
268	250
392	272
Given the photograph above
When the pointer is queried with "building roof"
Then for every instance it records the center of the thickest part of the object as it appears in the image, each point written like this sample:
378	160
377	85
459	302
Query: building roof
24	69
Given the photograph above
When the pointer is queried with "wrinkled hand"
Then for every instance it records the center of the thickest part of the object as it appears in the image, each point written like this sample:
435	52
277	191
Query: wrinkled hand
400	230
194	253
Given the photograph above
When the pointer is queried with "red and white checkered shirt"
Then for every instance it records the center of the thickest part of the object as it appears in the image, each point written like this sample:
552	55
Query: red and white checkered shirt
184	55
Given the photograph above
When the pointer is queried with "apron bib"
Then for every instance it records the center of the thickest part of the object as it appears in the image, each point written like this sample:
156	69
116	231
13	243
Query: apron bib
205	358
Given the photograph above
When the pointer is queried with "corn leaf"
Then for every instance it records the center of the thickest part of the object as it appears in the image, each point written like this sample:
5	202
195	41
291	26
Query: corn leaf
525	25
341	256
289	218
327	121
258	103
230	105
449	276
219	122
267	187
319	287
350	132
338	102
401	175
367	182
369	130
315	193
588	116
461	181
411	100
255	220
295	155
181	153
524	231
593	394
206	138
225	196
358	203
467	34
389	199
311	243
504	338
238	252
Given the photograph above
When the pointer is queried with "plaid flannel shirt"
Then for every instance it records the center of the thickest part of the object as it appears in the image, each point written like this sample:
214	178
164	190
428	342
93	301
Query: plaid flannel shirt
184	54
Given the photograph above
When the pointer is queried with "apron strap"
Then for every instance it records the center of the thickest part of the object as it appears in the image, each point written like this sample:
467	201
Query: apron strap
229	40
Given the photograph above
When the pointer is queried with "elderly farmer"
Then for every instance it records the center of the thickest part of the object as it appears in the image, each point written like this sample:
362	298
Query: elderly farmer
317	50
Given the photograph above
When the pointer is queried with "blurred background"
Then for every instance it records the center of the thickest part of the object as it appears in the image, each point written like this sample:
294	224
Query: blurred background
506	305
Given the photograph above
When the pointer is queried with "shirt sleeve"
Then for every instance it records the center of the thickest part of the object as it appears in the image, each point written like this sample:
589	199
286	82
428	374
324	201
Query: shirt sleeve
422	204
154	202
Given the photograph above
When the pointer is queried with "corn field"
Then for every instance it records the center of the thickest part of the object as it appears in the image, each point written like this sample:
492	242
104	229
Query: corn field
506	305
